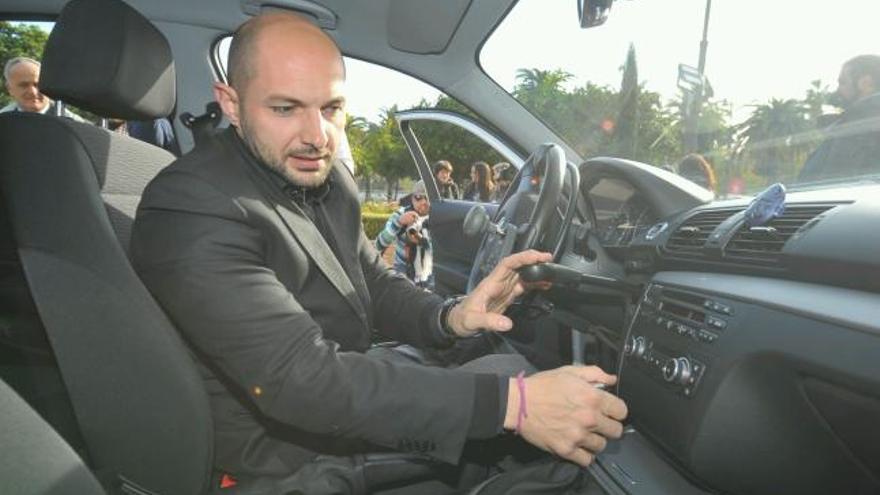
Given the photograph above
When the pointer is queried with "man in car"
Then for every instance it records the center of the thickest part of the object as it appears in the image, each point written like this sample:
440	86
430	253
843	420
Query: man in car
253	245
852	143
21	76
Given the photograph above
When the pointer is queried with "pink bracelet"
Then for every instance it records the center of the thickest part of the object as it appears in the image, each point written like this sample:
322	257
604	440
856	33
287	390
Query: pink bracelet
522	414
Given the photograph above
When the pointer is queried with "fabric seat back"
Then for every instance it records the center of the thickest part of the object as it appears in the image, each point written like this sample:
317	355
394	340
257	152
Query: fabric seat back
137	397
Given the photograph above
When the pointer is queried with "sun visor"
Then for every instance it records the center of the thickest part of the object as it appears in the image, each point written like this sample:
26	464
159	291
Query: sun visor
424	26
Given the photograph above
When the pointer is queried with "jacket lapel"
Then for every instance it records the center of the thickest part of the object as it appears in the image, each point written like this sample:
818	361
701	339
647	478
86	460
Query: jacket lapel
319	251
306	234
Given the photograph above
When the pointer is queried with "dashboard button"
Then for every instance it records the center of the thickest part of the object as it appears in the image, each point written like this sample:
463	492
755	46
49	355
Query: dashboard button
707	337
636	347
678	371
716	322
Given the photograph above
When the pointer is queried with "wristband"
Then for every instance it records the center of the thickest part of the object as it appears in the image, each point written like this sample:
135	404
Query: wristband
445	309
522	413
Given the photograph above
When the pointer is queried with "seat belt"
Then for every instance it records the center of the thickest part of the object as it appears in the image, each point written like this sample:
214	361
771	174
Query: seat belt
203	126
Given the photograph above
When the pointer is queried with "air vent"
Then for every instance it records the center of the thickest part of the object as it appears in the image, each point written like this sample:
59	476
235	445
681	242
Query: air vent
764	243
690	237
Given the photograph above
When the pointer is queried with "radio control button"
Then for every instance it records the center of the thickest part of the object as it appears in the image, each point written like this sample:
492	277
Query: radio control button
678	371
707	337
636	347
716	322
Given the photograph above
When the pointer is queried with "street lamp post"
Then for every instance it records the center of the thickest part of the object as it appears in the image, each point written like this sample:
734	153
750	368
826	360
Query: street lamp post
692	107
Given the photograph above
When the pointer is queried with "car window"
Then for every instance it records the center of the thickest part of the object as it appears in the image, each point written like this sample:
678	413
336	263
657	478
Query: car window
732	95
471	162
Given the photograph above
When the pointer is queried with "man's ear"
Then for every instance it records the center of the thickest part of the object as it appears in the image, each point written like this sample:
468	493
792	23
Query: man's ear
866	85
229	102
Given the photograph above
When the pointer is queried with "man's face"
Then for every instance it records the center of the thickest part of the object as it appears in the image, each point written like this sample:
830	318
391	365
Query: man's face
421	204
850	88
443	176
292	111
847	92
22	87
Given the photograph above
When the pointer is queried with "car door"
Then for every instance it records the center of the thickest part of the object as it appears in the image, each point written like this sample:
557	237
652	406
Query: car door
453	251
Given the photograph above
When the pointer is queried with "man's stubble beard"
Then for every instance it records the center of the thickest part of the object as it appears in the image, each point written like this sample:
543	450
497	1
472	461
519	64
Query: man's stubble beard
265	155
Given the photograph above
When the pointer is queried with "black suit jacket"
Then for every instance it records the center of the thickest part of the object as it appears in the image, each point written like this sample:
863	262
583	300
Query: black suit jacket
280	323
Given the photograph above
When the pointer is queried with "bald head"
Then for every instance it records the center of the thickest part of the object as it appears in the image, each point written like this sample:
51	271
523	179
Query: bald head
286	96
258	39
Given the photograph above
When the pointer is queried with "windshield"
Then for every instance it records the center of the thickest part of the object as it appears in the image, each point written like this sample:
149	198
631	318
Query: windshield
733	94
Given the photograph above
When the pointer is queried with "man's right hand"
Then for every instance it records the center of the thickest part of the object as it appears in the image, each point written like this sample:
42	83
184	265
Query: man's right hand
408	218
567	415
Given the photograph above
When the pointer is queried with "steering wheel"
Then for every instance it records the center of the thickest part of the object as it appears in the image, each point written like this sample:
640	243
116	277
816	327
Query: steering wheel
507	233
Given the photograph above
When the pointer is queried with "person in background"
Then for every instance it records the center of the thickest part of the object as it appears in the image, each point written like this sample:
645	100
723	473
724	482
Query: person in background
503	174
696	169
413	254
852	142
481	187
157	132
443	175
22	76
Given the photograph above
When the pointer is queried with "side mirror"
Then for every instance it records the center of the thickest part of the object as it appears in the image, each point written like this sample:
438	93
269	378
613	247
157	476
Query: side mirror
593	13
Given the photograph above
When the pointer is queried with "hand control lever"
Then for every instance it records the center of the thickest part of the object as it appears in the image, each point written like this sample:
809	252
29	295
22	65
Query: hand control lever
560	274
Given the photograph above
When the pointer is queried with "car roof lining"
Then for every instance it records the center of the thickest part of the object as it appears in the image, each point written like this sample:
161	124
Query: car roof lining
453	29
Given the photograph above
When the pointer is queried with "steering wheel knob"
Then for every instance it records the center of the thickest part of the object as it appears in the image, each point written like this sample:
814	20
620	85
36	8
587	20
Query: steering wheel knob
476	222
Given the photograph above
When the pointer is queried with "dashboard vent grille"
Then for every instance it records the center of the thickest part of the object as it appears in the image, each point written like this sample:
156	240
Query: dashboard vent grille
764	243
691	236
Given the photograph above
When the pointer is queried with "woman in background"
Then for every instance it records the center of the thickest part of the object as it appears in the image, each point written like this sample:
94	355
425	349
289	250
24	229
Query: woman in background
481	187
696	169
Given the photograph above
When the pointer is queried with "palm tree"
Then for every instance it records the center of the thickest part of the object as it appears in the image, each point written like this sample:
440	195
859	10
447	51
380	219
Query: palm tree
775	135
356	129
540	81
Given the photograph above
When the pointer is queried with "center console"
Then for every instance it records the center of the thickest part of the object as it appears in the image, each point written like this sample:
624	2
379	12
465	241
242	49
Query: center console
750	385
672	345
672	338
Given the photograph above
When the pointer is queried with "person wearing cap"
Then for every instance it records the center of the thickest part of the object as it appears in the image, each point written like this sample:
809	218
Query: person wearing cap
503	174
406	226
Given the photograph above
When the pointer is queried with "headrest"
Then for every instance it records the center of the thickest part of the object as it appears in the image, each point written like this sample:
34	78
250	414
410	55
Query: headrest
105	57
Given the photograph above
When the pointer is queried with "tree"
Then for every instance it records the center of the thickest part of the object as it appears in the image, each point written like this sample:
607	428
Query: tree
356	130
817	96
627	130
547	82
385	151
19	40
776	137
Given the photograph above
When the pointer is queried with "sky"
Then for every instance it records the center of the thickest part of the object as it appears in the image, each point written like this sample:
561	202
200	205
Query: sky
758	49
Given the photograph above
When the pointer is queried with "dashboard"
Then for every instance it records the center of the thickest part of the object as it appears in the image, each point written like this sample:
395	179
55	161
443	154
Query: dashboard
749	358
620	212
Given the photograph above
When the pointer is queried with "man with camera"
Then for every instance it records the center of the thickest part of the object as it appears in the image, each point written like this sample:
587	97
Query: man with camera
412	256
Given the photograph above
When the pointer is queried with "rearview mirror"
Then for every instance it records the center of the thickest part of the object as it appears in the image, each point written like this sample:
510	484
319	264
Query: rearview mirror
593	12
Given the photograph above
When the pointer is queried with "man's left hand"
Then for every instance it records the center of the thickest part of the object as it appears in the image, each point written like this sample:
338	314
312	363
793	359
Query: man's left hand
483	308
